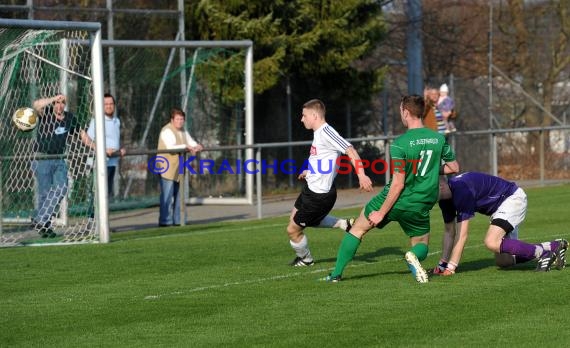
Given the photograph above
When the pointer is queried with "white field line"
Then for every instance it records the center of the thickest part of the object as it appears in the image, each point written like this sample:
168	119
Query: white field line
277	277
210	231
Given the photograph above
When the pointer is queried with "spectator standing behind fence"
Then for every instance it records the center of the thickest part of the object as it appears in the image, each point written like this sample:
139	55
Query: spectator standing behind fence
430	120
55	125
432	98
173	136
446	104
113	147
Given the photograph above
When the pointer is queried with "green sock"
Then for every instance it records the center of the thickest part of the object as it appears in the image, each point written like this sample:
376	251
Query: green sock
420	250
346	252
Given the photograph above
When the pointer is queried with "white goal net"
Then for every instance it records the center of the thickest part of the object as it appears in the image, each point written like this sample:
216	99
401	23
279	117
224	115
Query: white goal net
47	191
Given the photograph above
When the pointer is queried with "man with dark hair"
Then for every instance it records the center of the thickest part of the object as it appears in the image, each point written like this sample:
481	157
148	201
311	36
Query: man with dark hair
411	193
113	147
55	125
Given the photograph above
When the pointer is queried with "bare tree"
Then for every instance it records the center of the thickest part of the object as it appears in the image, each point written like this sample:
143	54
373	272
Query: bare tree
533	53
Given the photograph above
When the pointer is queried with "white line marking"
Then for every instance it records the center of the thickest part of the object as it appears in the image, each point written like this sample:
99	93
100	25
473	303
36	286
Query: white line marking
291	275
209	231
261	280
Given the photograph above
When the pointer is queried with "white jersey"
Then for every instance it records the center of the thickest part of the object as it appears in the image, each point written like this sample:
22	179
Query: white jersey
327	146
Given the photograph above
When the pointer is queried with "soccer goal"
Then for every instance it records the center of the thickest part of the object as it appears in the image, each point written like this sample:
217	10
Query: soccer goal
212	81
50	193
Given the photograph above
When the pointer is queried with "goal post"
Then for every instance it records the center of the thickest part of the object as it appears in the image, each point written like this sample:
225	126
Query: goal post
47	184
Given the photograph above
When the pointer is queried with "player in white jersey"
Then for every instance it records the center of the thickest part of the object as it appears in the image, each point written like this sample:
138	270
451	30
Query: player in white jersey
318	196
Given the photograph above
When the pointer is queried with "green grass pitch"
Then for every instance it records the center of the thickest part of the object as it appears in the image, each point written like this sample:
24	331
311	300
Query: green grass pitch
228	285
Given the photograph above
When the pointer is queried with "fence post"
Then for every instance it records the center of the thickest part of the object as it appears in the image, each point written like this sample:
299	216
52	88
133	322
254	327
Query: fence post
259	183
541	158
182	189
493	145
389	163
1	198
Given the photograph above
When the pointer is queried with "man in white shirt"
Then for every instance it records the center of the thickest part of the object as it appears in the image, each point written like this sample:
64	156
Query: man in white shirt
318	197
113	147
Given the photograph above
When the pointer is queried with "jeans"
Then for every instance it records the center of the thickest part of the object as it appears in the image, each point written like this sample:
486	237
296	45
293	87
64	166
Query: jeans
110	180
169	202
51	176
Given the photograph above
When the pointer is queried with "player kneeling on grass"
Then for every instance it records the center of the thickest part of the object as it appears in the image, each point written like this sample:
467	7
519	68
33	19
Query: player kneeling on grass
411	193
464	195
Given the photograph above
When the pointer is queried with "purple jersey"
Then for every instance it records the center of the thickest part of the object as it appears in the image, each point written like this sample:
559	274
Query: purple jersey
478	192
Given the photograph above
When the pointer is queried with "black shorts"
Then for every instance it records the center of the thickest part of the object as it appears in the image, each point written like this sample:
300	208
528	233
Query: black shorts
313	207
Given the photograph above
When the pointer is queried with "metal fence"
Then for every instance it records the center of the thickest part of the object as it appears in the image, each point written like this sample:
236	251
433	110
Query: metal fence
499	152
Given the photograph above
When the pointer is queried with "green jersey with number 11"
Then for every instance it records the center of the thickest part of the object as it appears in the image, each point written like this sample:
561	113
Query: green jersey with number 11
419	153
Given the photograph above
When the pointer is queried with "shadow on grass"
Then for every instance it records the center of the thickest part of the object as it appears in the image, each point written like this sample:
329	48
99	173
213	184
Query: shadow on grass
156	231
364	276
476	265
471	266
192	223
371	256
527	266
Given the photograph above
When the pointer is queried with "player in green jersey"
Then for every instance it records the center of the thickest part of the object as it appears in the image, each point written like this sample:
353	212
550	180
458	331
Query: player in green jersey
417	158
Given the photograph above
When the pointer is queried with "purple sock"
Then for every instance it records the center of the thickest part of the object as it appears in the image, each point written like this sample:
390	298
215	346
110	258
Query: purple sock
518	248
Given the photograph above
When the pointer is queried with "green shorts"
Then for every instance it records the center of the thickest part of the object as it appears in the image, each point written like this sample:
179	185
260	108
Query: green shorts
414	223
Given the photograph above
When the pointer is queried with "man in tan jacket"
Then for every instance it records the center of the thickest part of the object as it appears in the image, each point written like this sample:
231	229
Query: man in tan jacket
173	136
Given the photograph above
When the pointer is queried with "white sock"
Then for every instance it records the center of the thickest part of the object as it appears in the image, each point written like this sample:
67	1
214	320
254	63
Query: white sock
302	249
546	246
538	250
333	222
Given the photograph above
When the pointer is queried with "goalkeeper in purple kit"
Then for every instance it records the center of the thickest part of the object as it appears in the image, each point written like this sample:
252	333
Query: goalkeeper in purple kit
464	195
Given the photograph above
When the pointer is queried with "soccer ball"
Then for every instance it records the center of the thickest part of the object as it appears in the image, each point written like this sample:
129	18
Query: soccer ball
25	119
